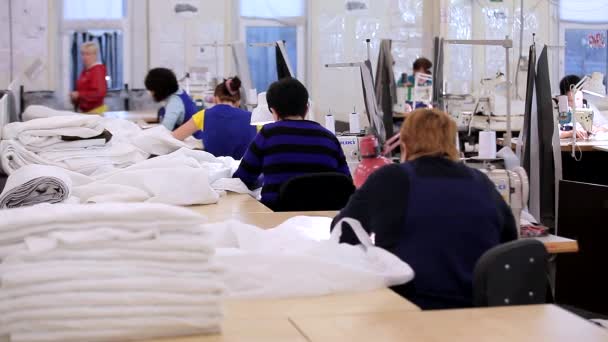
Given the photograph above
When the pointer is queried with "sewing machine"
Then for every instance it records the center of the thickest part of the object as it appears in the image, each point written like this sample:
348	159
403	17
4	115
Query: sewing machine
513	186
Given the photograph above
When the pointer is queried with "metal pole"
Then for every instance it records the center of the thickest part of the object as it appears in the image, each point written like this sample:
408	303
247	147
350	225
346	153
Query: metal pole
217	61
10	39
509	134
369	52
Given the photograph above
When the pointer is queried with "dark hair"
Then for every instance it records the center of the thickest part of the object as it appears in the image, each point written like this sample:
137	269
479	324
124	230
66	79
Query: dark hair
424	64
162	82
567	82
288	97
229	90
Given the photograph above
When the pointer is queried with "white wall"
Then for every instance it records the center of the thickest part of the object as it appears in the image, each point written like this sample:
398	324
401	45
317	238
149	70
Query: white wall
34	26
175	39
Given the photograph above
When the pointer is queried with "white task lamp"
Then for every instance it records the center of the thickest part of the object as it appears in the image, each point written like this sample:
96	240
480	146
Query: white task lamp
261	114
584	115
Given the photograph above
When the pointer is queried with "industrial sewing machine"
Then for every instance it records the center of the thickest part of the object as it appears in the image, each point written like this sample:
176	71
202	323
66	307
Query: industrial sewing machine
350	143
513	186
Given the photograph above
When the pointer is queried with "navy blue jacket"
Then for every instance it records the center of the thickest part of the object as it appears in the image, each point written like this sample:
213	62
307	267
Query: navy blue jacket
437	215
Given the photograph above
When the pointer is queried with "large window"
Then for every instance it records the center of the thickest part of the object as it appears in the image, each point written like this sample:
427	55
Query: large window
267	21
586	52
584	33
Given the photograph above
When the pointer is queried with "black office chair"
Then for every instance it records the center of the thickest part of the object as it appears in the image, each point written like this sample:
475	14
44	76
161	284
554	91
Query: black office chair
514	273
315	191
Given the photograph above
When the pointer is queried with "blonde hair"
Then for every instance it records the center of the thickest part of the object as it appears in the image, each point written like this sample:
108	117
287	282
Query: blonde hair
429	132
89	46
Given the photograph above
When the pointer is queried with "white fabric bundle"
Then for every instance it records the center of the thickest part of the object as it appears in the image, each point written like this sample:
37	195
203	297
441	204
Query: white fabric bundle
301	258
40	141
184	177
106	272
35	184
41	112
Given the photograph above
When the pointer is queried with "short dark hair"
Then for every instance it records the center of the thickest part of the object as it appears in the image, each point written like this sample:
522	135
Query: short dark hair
566	83
288	97
162	82
424	64
229	90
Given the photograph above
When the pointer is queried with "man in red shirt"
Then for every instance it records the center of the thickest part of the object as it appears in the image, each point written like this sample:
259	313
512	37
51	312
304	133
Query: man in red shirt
91	87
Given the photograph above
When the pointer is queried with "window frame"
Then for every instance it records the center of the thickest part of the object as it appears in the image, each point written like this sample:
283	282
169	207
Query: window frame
298	22
565	25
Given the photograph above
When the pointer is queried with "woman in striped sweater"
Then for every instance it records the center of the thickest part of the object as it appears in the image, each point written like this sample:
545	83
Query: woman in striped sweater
291	146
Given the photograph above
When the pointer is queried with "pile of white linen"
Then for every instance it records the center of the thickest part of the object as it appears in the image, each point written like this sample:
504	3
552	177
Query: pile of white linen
301	258
106	272
39	141
184	177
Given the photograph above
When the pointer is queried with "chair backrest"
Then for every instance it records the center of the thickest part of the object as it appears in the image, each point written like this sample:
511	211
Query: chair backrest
514	273
315	191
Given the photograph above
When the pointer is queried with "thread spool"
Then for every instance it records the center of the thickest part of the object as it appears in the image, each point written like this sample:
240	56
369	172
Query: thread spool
330	124
354	123
487	145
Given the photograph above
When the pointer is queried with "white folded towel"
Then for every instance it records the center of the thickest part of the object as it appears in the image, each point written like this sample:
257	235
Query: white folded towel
45	132
35	184
40	112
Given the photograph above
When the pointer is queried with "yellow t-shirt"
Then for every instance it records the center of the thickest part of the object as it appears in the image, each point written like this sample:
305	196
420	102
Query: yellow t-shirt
199	119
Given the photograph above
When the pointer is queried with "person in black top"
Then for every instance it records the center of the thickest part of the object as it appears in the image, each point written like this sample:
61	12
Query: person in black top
433	212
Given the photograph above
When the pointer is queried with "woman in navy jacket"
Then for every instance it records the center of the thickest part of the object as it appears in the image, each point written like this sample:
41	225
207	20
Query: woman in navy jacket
433	212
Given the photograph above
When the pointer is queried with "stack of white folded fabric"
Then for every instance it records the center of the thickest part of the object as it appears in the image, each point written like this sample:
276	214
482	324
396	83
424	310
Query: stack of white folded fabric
106	272
184	177
72	142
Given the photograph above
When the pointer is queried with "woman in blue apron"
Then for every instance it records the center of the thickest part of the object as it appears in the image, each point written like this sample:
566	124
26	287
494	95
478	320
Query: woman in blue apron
226	129
179	107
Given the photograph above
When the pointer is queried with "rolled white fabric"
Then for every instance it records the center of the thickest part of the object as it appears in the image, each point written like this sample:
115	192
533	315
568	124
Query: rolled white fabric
35	184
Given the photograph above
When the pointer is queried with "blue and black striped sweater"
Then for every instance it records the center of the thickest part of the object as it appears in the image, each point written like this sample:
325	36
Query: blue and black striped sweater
289	148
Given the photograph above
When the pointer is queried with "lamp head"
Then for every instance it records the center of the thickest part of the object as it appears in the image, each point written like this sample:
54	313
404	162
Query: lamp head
261	114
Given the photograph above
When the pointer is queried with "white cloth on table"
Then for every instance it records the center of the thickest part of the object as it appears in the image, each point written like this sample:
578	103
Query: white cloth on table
288	262
41	141
35	184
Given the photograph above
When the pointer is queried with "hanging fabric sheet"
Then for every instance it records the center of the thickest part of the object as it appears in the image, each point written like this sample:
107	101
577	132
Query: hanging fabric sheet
385	88
284	69
371	104
547	125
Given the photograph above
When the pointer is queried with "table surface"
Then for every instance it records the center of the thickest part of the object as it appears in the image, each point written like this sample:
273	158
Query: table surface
601	148
248	210
566	144
271	320
231	205
134	115
504	324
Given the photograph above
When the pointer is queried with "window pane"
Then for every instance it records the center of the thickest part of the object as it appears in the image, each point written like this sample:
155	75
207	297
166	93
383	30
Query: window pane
272	8
93	9
262	60
586	52
584	10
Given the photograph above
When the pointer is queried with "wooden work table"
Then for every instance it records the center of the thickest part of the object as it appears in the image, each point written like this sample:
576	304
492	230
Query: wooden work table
270	319
229	206
503	324
133	115
248	210
566	144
